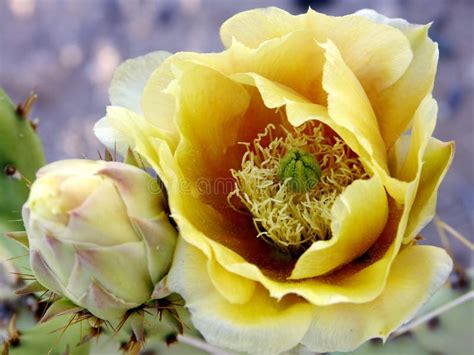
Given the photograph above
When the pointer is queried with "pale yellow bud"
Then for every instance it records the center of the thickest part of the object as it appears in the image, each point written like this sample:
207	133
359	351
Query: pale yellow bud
98	234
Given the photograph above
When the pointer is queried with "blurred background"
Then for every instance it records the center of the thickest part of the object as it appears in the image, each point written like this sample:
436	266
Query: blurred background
66	51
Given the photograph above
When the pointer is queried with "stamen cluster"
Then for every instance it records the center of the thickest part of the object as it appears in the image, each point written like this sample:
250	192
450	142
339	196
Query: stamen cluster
289	219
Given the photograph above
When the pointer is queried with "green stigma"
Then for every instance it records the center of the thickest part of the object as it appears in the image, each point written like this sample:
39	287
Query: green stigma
302	168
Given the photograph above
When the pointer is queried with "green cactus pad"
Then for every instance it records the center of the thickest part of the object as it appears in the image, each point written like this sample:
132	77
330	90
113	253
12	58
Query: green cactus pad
49	338
21	155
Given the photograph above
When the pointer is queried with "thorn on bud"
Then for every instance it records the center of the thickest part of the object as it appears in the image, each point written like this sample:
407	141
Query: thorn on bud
13	333
24	108
376	341
171	339
11	171
132	346
459	279
67	351
108	155
34	123
433	323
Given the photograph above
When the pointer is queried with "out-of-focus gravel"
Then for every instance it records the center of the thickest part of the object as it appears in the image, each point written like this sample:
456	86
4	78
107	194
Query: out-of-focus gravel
66	50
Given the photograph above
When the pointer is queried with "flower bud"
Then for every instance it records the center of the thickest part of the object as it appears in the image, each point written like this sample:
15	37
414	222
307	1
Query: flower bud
98	234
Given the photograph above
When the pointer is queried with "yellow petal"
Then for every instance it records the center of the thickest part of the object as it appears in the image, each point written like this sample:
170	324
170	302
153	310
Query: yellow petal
420	162
254	27
436	161
406	156
295	61
138	132
126	88
360	284
359	216
122	129
377	17
298	108
209	115
404	159
235	289
396	105
349	106
417	273
424	122
261	325
378	54
110	137
274	94
158	105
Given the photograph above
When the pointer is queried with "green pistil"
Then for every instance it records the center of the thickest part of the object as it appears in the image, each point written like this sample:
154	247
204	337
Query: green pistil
302	168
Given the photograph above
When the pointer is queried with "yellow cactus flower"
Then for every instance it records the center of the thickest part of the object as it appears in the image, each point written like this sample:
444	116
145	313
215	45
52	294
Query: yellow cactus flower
297	193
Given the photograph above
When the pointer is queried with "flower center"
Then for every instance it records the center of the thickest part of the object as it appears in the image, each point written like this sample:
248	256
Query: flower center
300	169
289	185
